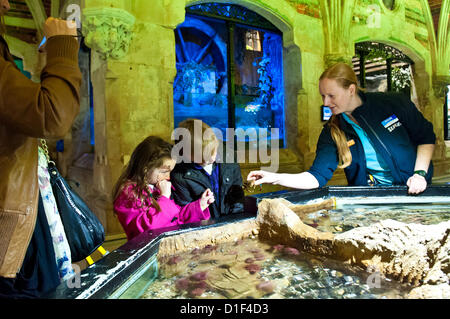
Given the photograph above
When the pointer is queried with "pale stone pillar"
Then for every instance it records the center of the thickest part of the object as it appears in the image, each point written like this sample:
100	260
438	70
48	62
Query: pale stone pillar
133	67
108	32
440	158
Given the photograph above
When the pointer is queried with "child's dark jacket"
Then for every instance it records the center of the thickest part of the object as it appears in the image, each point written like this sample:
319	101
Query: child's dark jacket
191	182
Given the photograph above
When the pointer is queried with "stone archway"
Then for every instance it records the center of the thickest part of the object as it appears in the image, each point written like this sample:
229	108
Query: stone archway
420	75
280	16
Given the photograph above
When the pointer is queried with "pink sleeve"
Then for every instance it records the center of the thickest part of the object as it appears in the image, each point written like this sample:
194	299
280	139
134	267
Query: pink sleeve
136	219
192	213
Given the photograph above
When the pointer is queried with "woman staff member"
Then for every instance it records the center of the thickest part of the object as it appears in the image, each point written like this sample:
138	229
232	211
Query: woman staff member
378	138
29	111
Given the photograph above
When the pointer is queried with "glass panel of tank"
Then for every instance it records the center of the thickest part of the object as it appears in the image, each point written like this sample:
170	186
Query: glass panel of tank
250	268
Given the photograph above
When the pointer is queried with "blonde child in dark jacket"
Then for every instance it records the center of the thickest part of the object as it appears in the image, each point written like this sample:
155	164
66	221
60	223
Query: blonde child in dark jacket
195	173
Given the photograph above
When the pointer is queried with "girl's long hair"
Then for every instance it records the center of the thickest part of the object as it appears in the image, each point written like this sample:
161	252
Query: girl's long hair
344	75
149	154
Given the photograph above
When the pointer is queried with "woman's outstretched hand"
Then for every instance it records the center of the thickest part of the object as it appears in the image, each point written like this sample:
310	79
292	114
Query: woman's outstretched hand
262	177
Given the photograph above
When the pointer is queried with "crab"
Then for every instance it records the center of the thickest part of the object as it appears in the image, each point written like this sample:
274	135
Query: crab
249	186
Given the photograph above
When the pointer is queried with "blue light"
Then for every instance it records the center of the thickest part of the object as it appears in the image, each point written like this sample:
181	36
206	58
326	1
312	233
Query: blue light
42	42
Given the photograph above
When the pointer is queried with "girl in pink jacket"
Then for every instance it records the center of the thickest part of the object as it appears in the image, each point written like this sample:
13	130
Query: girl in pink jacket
142	193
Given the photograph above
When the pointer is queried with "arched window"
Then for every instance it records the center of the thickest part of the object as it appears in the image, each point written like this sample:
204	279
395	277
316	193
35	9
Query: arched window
380	67
229	70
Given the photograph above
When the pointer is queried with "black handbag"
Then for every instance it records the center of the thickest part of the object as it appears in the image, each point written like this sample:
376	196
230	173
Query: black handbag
84	232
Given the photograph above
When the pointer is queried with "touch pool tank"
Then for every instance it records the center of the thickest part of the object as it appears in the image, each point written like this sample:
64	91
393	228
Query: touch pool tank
226	260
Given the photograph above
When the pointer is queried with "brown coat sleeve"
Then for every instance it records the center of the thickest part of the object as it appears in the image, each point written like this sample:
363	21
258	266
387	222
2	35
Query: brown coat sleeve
45	109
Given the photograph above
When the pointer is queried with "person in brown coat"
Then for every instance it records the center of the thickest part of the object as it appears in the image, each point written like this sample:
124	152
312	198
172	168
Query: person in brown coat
29	111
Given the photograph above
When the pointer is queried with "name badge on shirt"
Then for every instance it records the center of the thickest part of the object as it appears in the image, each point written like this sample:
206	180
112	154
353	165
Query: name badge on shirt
351	142
391	123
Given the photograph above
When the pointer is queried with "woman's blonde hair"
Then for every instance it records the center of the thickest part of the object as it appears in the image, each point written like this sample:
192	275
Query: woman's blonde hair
344	75
205	139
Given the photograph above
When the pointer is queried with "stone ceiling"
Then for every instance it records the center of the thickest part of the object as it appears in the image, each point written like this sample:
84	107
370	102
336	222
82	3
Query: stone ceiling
435	7
20	20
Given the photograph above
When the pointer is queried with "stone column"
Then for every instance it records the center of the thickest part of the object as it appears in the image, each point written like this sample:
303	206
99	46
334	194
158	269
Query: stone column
337	17
108	32
440	156
440	84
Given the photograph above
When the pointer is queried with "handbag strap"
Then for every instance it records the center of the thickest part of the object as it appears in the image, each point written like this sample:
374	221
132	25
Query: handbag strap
44	147
89	259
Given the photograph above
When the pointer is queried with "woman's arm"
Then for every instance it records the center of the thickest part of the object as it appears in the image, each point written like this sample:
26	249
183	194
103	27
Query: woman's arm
421	133
321	171
45	109
303	180
424	155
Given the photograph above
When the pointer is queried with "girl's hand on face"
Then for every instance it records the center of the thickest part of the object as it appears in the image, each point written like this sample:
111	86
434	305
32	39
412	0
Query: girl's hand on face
206	199
165	187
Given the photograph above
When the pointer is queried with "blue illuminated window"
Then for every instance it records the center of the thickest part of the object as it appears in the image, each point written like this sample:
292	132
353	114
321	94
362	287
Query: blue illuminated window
229	70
